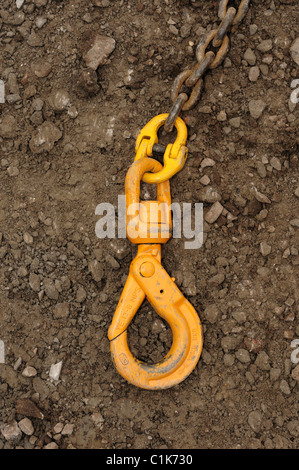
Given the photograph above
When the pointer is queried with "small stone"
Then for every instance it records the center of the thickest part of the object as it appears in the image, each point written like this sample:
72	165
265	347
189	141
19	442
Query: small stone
112	262
41	68
284	387
28	239
8	127
55	371
213	213
50	289
19	3
295	373
262	198
221	116
250	56
243	356
256	108
217	279
27	407
208	194
96	48
50	446
40	21
68	429
207	162
255	421
58	428
81	294
265	46
274	373
26	426
294	223
13	171
205	180
254	207
275	163
2	92
61	310
96	270
262	361
253	29
254	73
11	432
261	169
34	282
239	316
87	83
59	100
29	371
235	122
212	313
44	138
294	49
265	249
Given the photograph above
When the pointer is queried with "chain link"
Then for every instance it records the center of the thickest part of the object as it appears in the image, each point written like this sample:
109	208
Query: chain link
192	78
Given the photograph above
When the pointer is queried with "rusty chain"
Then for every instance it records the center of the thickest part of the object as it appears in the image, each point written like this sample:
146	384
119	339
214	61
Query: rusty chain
193	78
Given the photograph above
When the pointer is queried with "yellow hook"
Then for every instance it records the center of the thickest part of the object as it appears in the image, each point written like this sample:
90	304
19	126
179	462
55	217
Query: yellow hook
175	154
148	279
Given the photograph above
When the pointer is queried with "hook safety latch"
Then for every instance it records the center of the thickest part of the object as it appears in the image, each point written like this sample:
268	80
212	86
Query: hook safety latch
148	279
175	154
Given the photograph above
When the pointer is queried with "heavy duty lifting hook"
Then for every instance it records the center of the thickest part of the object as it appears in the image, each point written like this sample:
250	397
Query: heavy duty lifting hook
148	226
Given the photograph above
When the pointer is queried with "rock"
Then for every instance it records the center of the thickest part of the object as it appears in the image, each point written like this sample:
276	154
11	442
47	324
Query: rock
212	313
274	374
216	280
96	270
81	294
214	212
295	373
254	345
254	73
250	56
243	356
294	50
208	194
61	310
55	371
8	127
41	68
275	163
29	371
239	316
28	239
235	122
262	198
26	426
265	46
58	428
13	171
44	138
255	421
11	432
2	92
34	282
50	446
68	429
284	387
87	83
265	249
256	108
261	169
207	162
59	100
254	207
96	48
27	407
50	289
262	361
294	223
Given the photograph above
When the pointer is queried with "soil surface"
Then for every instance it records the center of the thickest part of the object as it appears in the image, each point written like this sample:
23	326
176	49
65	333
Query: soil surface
68	124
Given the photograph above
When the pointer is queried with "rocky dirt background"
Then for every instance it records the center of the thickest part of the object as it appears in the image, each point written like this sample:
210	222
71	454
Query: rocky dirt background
70	110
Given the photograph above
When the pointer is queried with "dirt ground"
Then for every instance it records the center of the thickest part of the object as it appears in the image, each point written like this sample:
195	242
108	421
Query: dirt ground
67	137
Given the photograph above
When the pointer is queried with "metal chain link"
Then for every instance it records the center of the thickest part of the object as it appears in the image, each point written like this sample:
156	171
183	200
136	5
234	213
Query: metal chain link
192	78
